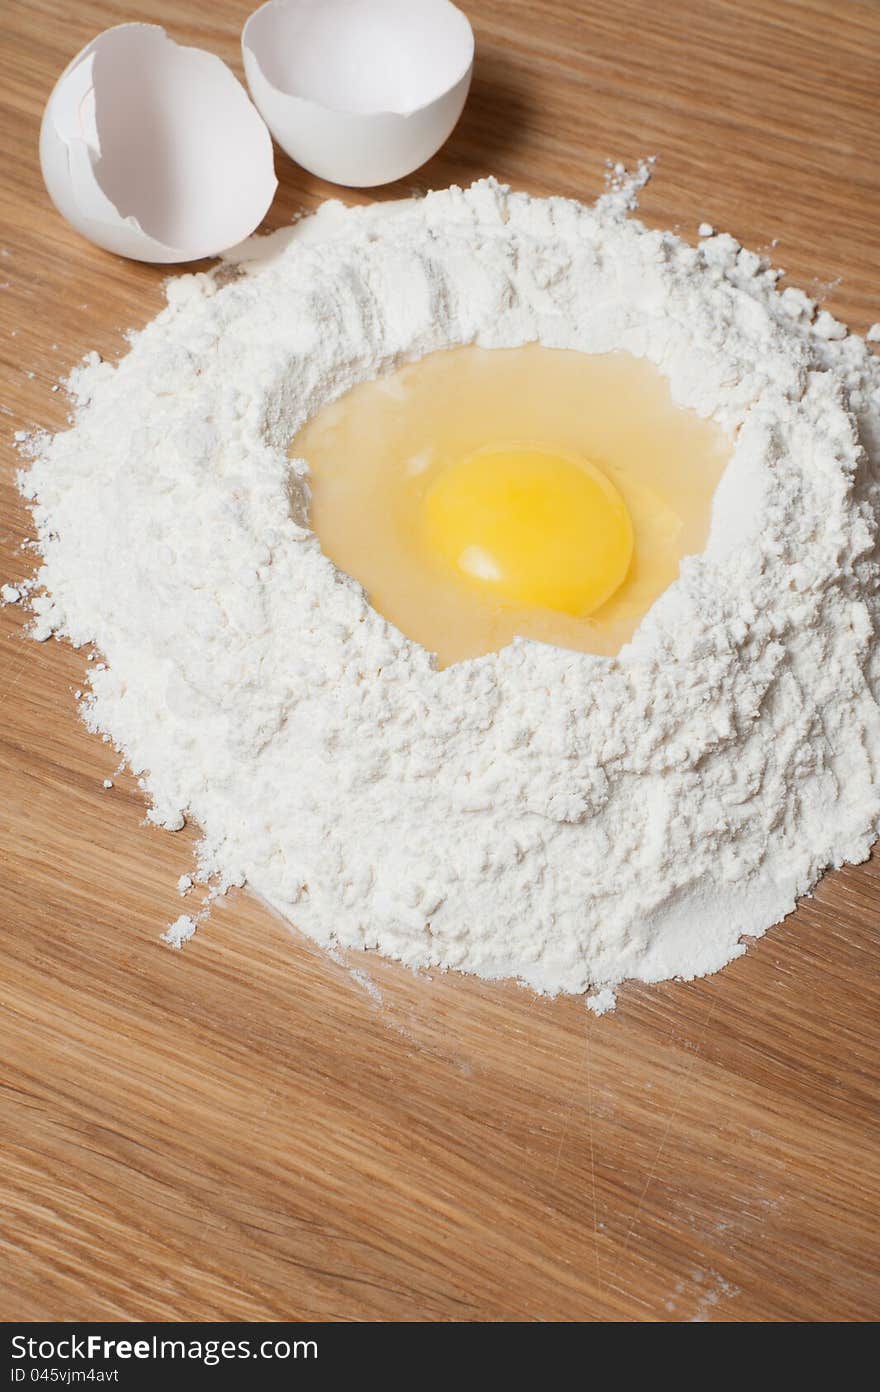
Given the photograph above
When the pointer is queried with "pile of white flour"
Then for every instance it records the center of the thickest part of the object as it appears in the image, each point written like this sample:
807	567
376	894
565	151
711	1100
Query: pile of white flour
564	819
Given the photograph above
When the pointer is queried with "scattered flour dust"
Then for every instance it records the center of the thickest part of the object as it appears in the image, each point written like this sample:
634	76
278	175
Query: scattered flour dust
564	819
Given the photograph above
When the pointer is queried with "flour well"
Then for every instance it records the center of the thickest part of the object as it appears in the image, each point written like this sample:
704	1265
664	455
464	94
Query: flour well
561	818
375	455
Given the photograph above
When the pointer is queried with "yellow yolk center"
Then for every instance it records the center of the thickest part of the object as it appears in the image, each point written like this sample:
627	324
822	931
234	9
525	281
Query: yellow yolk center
527	526
485	494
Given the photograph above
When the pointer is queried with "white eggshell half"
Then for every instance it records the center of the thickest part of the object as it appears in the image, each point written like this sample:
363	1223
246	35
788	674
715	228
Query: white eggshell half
153	150
359	92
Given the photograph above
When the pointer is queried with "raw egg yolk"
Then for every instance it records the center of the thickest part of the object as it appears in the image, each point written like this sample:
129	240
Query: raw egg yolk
531	527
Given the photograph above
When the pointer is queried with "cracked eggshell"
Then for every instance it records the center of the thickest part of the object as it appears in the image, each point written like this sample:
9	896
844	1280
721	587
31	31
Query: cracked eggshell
360	92
154	150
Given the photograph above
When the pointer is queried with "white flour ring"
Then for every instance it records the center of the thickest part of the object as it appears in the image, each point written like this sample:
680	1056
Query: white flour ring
564	819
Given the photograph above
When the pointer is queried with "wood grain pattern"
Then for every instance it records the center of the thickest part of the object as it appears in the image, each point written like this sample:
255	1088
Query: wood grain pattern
241	1129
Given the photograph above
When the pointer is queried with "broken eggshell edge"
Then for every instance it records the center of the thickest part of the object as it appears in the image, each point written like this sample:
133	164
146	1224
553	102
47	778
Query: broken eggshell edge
355	148
220	157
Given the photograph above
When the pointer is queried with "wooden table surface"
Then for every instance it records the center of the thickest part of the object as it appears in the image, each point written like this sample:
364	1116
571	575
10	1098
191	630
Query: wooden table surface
243	1129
